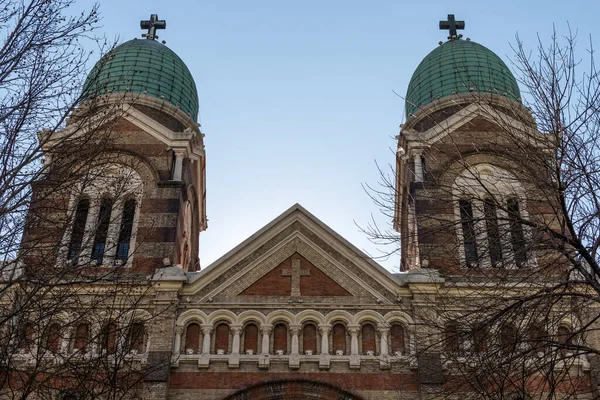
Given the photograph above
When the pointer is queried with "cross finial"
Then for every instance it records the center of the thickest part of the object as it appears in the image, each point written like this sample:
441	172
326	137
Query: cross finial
452	26
152	25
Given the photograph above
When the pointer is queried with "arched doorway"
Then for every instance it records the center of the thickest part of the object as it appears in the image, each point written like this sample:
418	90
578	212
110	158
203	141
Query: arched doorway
292	390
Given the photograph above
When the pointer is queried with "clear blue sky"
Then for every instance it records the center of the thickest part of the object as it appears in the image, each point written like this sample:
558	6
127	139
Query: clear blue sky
296	97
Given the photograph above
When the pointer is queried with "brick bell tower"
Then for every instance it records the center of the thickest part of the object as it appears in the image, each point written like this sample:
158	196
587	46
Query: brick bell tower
456	180
142	201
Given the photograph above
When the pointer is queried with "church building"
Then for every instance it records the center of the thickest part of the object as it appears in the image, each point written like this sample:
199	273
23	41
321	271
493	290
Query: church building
296	311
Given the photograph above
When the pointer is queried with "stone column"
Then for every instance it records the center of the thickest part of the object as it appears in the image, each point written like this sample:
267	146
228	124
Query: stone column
178	167
263	360
47	161
234	357
177	346
384	331
354	356
64	344
206	332
418	167
353	330
324	332
295	356
204	360
265	330
384	349
295	331
324	358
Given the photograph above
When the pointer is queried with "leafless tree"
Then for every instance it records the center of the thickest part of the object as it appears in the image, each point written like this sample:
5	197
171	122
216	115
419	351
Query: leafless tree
67	326
507	210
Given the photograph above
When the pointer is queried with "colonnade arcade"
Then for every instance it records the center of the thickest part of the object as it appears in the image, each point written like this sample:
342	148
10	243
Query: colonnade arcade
338	336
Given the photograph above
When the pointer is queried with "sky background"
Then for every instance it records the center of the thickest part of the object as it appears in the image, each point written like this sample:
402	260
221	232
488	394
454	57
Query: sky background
297	97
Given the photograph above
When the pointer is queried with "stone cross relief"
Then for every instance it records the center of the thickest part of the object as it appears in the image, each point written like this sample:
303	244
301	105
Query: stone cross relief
296	272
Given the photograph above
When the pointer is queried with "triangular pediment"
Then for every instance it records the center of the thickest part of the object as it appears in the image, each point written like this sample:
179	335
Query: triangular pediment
294	258
475	116
297	277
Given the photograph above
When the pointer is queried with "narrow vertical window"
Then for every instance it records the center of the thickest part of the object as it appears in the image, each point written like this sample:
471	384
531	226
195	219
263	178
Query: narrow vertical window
101	230
251	338
192	338
109	338
82	337
564	335
172	171
517	237
280	338
309	338
222	338
493	233
339	338
125	232
136	340
508	339
27	337
53	340
480	335
369	339
468	228
451	339
81	213
537	336
397	339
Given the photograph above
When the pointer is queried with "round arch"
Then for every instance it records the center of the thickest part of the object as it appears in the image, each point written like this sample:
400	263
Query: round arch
293	390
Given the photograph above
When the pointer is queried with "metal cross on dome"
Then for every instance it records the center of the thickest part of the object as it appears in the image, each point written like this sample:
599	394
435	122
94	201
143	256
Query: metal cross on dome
452	25
152	25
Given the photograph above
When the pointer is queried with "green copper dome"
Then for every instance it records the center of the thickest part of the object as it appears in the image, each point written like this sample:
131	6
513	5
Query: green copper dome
459	66
146	67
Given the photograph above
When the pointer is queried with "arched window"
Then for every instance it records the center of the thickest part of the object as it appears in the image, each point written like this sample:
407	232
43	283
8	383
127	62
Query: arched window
280	338
309	338
123	243
222	338
81	214
192	338
397	339
480	338
468	230
82	338
251	338
487	196
338	333
508	338
109	338
136	338
564	335
53	339
493	232
115	191
102	225
26	337
369	338
451	339
517	237
537	336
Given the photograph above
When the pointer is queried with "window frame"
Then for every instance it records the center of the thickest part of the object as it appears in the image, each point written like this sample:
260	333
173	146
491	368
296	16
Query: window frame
483	183
95	193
